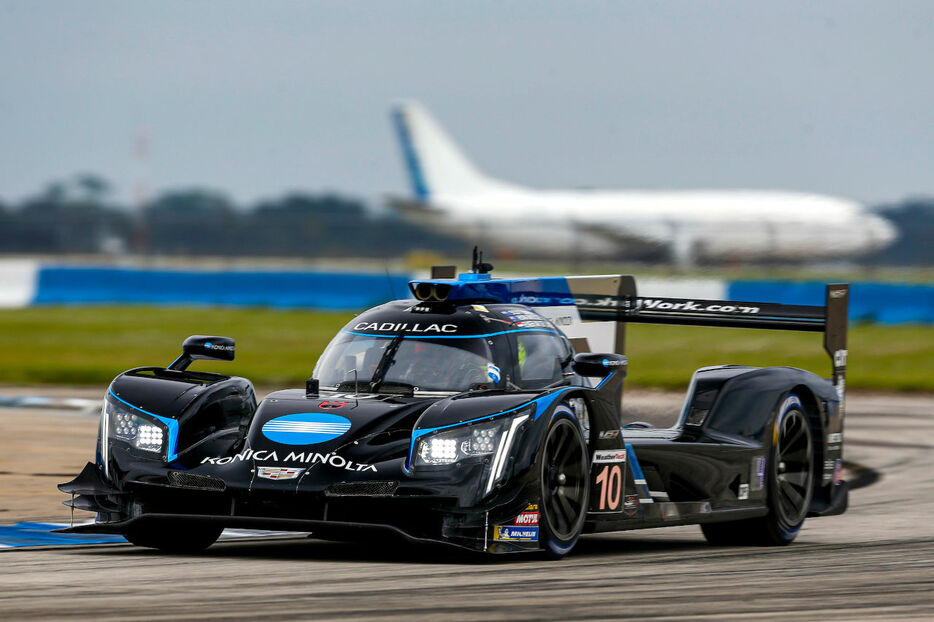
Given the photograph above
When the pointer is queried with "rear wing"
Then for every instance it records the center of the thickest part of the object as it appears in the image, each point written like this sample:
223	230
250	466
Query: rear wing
831	318
593	310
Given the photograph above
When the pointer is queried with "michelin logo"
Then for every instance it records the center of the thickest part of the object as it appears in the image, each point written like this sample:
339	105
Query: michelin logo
507	532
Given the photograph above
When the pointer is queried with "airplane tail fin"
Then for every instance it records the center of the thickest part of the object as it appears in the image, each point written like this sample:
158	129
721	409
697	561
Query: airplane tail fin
435	164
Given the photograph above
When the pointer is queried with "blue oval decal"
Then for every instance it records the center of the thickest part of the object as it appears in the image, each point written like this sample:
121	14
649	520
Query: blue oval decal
305	428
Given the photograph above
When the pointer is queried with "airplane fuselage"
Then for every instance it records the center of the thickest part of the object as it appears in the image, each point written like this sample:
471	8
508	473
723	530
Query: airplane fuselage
708	225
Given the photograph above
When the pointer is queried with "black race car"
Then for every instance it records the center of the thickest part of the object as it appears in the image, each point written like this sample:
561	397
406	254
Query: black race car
486	414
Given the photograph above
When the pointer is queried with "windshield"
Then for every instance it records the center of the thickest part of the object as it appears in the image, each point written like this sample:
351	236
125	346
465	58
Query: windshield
419	364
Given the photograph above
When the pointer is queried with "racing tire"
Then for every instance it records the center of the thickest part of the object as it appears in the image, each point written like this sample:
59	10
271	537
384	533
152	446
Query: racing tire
790	485
564	477
175	537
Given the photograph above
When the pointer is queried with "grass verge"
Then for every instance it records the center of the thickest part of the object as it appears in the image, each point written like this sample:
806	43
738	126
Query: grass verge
91	345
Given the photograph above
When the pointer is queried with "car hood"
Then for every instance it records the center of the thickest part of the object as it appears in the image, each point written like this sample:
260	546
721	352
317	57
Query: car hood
316	441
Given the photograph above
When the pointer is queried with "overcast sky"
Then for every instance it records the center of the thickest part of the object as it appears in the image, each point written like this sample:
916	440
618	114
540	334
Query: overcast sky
260	98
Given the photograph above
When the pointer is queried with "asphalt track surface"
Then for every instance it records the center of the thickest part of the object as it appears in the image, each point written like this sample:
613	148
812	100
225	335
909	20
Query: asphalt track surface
874	562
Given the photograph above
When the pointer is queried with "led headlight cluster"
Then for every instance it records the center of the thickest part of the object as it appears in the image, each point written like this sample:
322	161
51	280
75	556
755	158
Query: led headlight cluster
149	438
138	431
449	446
438	450
487	438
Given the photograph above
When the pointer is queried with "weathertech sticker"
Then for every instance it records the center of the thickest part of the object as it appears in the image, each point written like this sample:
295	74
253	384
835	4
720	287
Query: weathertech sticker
509	532
609	455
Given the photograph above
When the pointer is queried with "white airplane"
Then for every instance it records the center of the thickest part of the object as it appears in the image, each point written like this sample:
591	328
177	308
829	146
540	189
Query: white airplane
453	196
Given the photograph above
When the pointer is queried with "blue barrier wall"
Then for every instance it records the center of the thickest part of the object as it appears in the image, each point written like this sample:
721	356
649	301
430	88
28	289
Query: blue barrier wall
319	290
886	303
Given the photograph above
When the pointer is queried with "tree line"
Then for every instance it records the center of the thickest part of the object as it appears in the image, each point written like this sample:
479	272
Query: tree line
914	219
78	217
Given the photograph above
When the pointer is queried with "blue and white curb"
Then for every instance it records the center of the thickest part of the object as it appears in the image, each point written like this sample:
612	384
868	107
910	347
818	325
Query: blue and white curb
82	405
40	534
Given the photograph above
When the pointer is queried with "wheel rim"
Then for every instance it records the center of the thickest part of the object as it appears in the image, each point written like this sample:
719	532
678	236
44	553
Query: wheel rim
794	472
564	480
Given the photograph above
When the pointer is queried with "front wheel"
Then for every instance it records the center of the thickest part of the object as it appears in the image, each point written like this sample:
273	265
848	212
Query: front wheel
564	482
790	485
175	537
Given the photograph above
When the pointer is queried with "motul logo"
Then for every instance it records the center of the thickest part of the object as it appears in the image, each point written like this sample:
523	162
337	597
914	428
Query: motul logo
527	518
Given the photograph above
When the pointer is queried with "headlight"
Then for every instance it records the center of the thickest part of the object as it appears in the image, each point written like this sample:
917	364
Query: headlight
492	437
137	431
140	429
449	446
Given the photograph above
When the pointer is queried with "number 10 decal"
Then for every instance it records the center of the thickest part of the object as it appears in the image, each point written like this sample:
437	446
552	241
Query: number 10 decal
610	481
606	491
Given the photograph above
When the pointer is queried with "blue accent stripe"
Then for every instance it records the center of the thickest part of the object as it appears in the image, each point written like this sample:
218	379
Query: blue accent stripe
544	403
637	472
634	462
502	332
171	424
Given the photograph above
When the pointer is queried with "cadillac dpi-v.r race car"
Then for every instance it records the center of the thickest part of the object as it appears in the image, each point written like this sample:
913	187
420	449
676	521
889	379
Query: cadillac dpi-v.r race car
485	413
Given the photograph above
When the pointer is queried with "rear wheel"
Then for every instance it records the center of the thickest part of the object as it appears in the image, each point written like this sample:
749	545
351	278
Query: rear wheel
180	537
564	482
790	485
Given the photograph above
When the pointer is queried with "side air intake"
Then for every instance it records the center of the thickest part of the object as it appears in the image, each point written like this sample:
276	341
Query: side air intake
199	482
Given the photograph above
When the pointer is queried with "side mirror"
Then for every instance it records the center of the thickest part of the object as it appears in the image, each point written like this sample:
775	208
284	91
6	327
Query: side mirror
600	365
204	347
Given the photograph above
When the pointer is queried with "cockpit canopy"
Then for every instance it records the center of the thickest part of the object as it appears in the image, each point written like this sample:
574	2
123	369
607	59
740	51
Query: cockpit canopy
393	349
